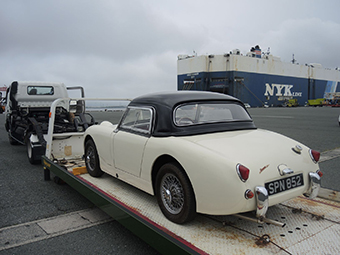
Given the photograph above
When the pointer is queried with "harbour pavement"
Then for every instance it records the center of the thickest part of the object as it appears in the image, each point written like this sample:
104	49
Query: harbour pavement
33	211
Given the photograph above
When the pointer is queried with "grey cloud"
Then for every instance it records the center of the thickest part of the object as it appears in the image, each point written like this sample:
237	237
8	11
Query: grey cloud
127	48
121	30
310	40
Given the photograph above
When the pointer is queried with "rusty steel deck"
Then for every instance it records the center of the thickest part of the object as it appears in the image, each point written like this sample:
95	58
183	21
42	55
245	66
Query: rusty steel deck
312	226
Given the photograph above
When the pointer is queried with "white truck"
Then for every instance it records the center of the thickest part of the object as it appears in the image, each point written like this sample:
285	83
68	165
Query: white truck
27	114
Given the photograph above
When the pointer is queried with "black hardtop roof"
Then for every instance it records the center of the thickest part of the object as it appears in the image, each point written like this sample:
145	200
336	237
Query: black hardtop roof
165	102
174	98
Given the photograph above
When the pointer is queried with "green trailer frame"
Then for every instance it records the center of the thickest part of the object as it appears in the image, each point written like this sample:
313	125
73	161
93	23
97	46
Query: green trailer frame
156	236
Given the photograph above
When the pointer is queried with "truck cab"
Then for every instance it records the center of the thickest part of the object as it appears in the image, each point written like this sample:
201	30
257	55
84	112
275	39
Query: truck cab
27	114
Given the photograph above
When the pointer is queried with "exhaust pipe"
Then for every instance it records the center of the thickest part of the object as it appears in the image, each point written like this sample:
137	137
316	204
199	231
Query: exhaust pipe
261	220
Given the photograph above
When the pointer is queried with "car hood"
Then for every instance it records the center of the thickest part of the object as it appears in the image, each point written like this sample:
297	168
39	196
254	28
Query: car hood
256	149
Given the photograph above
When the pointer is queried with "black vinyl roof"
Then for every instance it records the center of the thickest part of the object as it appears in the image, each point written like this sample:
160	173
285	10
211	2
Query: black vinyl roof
174	98
164	104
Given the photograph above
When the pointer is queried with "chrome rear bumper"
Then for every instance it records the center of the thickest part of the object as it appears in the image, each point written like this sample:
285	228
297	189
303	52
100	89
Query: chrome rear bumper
262	201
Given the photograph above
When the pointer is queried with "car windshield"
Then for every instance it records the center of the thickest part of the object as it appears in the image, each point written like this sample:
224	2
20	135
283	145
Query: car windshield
200	113
137	119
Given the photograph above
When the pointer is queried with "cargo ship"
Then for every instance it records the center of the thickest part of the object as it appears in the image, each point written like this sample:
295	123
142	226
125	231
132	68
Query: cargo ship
258	78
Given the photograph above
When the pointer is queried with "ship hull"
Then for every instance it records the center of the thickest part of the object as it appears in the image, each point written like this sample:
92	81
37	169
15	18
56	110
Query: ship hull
257	82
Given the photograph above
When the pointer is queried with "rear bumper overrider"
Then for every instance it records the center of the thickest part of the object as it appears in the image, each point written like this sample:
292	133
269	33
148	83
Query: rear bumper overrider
262	202
262	205
314	185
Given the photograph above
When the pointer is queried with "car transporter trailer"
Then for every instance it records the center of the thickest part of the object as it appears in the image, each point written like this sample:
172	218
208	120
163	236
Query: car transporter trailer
310	226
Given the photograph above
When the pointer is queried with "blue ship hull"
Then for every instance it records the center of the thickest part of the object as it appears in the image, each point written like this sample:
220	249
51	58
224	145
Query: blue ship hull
258	89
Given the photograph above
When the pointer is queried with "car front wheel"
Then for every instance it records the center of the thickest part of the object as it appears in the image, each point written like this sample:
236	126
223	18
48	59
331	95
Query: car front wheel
175	195
92	159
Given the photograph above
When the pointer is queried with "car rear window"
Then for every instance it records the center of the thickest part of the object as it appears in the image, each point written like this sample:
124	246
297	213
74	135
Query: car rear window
200	113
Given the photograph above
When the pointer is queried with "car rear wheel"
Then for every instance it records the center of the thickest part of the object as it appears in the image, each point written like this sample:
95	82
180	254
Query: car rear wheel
92	159
175	195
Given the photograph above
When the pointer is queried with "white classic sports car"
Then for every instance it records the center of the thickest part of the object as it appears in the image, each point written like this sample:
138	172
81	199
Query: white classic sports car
200	152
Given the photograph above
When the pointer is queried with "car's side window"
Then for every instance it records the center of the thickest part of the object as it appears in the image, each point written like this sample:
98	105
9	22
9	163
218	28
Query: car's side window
138	120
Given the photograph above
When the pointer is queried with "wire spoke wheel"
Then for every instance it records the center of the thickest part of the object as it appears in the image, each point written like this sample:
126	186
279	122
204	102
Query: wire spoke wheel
172	193
175	195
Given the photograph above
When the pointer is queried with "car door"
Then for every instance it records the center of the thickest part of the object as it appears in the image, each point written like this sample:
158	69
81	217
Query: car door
130	140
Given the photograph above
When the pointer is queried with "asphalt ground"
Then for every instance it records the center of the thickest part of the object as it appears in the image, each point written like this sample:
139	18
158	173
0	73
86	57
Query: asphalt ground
26	197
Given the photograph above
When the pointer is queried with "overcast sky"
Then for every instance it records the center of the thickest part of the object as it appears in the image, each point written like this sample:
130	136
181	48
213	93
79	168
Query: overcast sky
128	48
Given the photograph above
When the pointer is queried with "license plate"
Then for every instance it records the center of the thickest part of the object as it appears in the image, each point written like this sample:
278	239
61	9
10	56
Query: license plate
284	184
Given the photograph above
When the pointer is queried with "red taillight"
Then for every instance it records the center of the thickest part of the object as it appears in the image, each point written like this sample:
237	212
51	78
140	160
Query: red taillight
315	155
242	172
319	173
248	194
